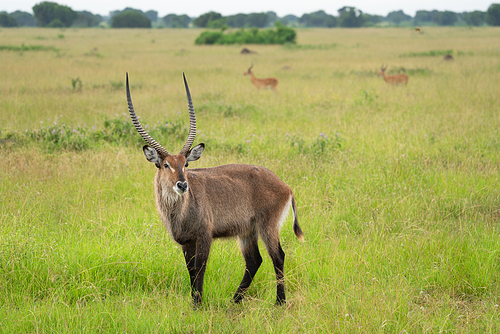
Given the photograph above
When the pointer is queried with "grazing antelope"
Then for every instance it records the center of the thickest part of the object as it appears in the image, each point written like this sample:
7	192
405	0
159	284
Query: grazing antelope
396	79
200	204
262	83
417	30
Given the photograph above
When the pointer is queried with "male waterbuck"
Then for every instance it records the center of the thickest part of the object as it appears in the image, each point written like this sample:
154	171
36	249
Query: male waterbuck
200	204
396	79
261	83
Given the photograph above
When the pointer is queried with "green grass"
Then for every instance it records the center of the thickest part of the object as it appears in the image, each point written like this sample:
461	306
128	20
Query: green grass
397	188
26	48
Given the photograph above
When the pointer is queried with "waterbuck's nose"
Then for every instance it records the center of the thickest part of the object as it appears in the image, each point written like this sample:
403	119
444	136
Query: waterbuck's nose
182	186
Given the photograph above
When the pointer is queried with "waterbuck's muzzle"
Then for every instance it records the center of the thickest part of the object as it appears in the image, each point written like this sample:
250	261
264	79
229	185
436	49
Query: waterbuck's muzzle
181	187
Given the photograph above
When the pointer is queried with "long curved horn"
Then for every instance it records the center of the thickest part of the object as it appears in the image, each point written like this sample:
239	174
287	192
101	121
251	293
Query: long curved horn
250	68
161	151
192	121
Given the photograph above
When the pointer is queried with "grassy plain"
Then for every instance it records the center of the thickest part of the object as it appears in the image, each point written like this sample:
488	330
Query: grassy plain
398	187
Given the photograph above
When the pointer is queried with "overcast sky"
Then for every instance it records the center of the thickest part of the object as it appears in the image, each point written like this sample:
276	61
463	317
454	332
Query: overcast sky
195	8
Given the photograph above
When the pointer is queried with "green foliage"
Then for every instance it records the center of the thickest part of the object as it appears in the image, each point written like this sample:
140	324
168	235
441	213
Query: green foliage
203	20
320	147
176	21
130	19
292	46
115	131
56	23
48	12
350	17
7	20
475	18
445	18
237	20
410	71
77	84
281	35
257	20
318	19
397	17
432	53
493	15
24	19
23	48
87	19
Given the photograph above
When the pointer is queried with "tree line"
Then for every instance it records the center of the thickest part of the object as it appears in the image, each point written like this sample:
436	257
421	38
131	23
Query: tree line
51	14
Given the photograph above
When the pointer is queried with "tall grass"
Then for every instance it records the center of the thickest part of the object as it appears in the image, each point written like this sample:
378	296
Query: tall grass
397	187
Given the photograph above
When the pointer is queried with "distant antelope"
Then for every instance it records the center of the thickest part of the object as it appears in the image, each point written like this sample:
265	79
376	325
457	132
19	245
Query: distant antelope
396	79
200	204
417	30
262	83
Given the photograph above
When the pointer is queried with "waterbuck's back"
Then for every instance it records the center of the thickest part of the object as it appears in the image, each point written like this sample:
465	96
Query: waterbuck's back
238	195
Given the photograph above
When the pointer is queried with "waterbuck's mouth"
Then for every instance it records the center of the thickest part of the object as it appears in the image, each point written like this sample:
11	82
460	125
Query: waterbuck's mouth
181	188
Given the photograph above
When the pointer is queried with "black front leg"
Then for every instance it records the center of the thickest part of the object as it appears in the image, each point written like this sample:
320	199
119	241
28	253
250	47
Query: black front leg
189	251
197	273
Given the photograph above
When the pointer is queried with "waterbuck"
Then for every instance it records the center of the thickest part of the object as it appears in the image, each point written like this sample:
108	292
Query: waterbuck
261	83
200	204
395	80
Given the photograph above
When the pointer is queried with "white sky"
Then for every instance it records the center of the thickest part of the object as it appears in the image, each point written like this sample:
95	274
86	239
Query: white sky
195	8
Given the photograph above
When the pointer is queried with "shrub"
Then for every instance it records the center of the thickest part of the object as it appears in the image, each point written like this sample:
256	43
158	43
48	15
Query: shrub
493	15
7	21
281	35
130	19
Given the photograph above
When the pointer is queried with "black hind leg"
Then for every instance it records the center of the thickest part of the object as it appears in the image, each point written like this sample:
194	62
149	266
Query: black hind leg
250	250
278	257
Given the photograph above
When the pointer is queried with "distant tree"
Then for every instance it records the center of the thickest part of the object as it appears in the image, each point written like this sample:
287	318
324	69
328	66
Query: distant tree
289	20
55	24
152	15
475	18
350	17
204	19
87	19
130	19
236	21
318	19
397	17
217	24
46	12
445	18
371	20
423	16
176	21
24	19
493	15
272	17
257	20
7	21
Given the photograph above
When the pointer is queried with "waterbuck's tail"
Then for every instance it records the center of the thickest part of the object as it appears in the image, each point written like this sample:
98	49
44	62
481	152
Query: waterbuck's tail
296	226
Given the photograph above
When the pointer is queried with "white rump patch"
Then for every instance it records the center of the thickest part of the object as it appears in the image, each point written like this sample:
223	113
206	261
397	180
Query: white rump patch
284	213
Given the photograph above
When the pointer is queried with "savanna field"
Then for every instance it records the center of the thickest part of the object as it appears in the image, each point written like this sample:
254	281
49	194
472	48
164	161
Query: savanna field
397	188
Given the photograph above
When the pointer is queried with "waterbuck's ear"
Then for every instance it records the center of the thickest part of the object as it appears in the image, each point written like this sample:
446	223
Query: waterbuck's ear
195	153
152	155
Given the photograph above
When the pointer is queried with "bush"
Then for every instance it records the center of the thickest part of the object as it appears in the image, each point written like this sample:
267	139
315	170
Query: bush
281	35
7	21
130	19
47	12
493	15
116	131
55	24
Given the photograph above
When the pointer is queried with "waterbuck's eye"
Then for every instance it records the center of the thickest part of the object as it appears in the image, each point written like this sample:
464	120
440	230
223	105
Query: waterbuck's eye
166	166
